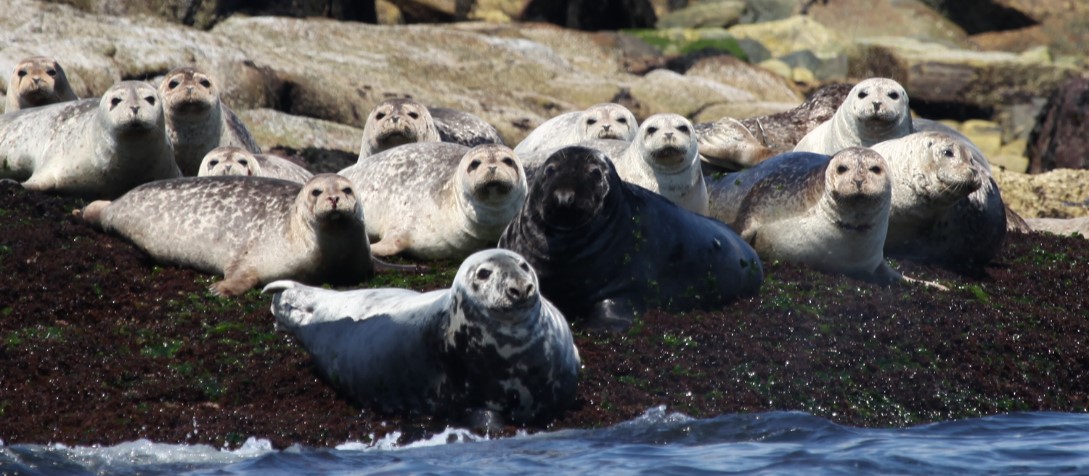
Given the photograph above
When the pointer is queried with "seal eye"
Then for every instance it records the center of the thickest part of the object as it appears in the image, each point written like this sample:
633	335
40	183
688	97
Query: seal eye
212	163
206	83
622	120
842	169
243	162
22	73
862	94
683	129
380	116
473	165
550	170
948	153
596	174
483	274
173	84
591	122
524	266
51	72
346	190
894	95
876	170
414	115
114	102
150	100
315	192
651	130
509	162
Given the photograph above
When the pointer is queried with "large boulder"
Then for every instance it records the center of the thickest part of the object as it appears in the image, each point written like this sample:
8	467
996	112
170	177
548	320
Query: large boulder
901	18
797	42
1018	25
1060	193
1060	139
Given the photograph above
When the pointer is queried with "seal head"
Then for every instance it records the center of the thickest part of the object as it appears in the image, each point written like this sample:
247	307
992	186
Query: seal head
37	81
607	121
395	122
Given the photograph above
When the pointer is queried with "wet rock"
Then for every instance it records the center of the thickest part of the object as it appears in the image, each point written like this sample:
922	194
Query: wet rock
1059	138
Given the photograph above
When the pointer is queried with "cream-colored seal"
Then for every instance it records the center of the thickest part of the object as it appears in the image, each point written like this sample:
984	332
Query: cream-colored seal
37	81
395	122
600	121
238	161
875	110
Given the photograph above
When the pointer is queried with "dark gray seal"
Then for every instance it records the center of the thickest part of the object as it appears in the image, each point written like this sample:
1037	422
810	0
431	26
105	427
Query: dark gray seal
489	342
606	250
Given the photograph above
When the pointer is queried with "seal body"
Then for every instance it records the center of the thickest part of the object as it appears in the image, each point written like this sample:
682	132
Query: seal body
830	213
875	110
250	229
37	81
395	122
606	250
238	161
460	127
92	148
489	342
946	208
600	121
197	121
436	200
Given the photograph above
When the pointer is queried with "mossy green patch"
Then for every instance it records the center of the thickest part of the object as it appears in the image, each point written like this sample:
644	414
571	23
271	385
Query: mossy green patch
679	41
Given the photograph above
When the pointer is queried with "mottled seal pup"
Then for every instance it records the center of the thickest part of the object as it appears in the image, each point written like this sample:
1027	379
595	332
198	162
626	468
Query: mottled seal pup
489	342
831	213
600	121
197	121
231	160
37	81
606	250
395	122
875	110
249	229
436	200
92	148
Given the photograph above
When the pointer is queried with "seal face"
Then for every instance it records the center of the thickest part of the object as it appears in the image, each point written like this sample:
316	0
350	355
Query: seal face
605	249
436	200
37	81
197	121
875	110
238	161
489	342
600	121
830	213
395	122
93	148
946	208
249	229
664	158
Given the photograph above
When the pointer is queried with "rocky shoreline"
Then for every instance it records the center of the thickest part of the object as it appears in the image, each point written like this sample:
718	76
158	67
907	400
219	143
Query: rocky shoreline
100	346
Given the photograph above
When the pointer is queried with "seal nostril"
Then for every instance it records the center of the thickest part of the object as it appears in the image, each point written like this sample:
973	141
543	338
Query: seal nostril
514	293
529	289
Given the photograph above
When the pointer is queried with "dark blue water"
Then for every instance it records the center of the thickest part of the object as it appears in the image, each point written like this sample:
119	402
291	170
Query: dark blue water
657	443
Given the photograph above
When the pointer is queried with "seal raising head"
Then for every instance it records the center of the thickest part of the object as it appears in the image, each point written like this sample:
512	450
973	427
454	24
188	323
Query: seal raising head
395	122
607	121
229	161
875	110
37	81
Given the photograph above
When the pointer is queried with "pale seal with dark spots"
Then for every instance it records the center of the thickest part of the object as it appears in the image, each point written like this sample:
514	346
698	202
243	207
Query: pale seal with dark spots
600	121
37	81
395	122
606	250
875	110
197	121
436	200
231	160
92	148
460	127
249	229
490	342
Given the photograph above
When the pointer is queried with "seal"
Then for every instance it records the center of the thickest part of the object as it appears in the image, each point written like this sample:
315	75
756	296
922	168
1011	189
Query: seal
37	81
662	158
436	200
92	148
606	250
197	121
489	342
249	229
460	127
830	213
395	122
231	160
945	207
875	110
600	121
729	144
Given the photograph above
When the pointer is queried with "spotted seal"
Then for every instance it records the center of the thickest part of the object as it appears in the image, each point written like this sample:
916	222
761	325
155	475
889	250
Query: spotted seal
460	127
231	160
606	250
875	110
249	229
490	342
197	120
92	148
600	121
436	200
828	212
395	122
37	81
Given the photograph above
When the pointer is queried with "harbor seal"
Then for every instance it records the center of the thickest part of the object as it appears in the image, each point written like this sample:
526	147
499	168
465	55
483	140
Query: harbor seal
662	158
37	81
600	121
92	148
489	342
197	121
460	127
249	229
875	110
830	213
231	160
729	144
945	207
395	122
606	250
436	200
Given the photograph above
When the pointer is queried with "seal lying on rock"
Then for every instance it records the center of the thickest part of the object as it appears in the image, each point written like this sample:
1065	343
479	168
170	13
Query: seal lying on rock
875	110
436	200
606	250
945	209
197	121
489	342
600	121
460	127
395	122
37	81
238	161
250	229
92	148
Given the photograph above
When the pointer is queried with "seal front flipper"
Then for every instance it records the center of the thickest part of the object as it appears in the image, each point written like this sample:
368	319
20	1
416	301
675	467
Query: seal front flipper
611	314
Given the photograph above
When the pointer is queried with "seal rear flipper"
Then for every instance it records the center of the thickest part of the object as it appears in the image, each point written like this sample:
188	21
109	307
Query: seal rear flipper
235	282
610	314
390	244
92	213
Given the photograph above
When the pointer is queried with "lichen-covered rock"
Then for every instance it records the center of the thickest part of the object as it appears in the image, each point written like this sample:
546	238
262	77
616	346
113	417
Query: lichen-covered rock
1060	193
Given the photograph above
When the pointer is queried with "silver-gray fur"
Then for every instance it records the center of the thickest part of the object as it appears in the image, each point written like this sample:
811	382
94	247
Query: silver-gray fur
600	121
237	161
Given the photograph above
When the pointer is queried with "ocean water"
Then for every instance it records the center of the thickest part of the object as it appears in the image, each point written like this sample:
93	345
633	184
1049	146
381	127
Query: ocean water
659	442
